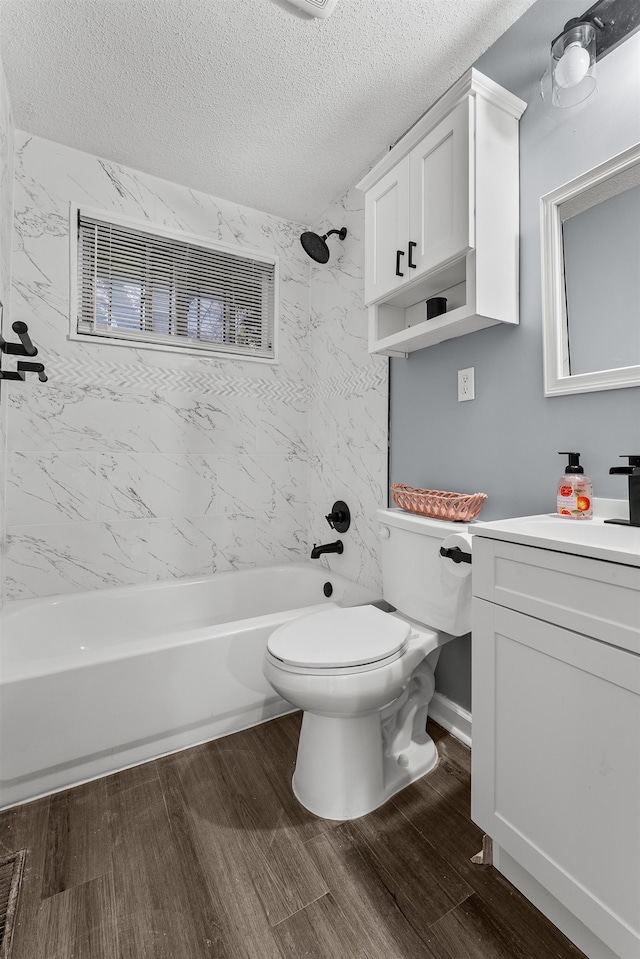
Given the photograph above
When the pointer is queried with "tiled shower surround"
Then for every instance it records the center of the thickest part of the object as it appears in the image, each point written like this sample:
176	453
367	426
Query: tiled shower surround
349	402
132	465
6	189
6	220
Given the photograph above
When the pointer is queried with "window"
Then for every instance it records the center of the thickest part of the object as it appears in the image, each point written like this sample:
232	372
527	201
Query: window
157	288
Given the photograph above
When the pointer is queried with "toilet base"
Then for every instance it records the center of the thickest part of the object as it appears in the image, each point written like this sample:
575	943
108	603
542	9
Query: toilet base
342	771
347	766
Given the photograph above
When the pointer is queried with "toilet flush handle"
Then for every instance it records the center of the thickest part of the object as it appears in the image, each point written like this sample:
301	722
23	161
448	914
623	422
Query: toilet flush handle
384	532
456	554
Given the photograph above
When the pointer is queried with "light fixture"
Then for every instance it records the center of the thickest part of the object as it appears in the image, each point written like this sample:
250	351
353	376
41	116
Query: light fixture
316	8
573	64
583	41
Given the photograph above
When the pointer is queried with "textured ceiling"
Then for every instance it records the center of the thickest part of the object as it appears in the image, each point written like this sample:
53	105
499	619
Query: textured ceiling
249	100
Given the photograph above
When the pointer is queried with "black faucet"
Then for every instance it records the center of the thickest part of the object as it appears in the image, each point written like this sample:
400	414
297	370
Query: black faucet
336	547
633	472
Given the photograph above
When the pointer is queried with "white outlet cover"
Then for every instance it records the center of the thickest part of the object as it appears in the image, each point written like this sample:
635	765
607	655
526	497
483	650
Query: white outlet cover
466	384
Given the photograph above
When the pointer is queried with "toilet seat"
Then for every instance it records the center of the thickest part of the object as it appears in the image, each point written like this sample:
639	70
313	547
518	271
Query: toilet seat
351	639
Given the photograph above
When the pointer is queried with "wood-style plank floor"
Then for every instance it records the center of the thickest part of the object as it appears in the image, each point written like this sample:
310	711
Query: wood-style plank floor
207	855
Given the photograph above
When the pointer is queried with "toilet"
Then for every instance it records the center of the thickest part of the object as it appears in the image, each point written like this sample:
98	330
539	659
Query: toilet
364	677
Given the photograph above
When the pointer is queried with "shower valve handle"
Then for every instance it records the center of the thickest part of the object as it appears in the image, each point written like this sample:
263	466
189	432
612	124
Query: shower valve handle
339	518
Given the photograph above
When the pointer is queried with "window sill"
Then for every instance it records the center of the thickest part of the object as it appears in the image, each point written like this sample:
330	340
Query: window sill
175	350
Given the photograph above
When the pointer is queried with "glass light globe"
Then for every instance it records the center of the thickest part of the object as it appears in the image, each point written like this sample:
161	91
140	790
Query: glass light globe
573	65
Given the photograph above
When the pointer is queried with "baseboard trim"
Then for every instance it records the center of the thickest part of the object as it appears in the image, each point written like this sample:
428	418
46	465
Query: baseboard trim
452	717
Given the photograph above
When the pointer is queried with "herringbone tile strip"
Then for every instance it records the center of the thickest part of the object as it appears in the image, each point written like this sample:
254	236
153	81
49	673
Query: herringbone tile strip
349	384
139	378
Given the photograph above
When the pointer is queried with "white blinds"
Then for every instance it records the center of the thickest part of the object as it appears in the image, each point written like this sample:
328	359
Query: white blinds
135	285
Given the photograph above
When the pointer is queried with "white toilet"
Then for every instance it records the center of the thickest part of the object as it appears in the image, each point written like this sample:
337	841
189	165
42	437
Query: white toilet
364	677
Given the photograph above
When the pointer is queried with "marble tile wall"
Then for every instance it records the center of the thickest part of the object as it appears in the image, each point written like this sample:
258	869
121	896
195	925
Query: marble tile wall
6	189
132	465
6	220
349	401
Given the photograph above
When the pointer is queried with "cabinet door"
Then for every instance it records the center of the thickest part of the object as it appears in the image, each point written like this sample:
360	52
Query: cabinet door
555	775
441	190
387	228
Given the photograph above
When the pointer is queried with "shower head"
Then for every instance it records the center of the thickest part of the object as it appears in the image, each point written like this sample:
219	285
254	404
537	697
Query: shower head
316	247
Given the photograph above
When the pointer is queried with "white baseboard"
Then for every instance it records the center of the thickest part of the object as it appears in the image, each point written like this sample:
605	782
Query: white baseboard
452	717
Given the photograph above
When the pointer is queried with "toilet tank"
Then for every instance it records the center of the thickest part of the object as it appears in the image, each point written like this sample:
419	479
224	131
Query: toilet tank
416	579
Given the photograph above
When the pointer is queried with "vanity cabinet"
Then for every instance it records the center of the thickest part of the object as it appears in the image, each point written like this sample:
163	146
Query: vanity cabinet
556	735
441	219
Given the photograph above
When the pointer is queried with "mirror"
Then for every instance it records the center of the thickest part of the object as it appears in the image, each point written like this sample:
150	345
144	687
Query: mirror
591	279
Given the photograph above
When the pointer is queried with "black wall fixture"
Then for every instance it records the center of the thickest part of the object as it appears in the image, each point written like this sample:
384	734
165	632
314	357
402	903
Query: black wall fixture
24	348
614	20
583	41
339	518
316	247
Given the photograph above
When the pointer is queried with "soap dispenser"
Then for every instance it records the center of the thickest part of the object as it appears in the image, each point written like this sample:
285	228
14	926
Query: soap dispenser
575	493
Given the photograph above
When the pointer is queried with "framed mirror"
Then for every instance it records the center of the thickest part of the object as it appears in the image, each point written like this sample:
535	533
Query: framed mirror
591	279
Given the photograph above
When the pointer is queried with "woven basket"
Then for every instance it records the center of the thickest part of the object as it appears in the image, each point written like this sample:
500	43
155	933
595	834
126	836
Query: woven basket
437	503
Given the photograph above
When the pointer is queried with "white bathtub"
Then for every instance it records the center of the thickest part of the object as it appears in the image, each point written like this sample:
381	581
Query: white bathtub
93	682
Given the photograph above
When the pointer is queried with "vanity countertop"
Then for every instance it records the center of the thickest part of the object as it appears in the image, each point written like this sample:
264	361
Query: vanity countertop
593	538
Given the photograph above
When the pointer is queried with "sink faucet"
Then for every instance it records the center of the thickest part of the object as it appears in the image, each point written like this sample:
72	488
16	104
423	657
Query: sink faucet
633	472
336	547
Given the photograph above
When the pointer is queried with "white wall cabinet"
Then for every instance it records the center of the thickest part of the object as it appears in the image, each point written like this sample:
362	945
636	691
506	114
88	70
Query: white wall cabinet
556	735
441	219
387	213
417	215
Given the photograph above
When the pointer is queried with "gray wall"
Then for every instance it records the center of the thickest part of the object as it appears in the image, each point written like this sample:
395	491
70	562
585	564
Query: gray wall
504	443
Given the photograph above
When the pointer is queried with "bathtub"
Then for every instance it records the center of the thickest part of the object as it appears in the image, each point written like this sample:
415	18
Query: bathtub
94	682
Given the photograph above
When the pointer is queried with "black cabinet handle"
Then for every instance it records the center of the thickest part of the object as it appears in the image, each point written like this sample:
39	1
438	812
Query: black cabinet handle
399	253
410	262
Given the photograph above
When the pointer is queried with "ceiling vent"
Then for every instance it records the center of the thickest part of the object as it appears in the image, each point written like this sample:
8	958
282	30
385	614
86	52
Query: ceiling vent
317	8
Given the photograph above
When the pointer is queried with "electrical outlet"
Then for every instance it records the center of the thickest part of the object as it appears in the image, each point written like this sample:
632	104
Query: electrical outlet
466	385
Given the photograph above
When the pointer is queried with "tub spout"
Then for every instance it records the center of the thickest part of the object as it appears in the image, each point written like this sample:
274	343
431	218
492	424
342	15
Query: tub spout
336	547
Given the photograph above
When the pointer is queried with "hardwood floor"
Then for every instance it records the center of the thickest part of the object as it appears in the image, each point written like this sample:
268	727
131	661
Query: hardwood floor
206	853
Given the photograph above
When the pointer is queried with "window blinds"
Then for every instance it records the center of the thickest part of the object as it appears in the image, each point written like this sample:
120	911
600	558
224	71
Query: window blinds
142	286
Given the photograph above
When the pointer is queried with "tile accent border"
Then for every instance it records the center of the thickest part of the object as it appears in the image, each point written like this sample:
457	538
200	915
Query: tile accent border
349	384
136	377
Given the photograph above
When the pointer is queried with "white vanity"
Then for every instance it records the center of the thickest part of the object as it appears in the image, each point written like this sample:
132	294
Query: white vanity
556	720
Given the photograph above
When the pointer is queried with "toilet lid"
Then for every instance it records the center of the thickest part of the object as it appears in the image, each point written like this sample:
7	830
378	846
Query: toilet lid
353	636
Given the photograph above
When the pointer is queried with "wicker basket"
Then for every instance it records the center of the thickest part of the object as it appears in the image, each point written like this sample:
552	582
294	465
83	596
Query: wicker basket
437	503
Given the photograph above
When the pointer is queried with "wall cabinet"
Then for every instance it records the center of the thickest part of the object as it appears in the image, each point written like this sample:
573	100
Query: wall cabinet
441	219
556	735
418	213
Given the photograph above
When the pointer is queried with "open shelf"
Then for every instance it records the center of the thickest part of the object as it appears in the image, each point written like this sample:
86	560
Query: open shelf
399	325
